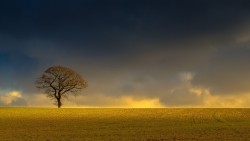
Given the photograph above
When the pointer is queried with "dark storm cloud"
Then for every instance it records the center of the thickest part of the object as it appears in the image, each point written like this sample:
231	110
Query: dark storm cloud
101	20
136	48
227	73
15	68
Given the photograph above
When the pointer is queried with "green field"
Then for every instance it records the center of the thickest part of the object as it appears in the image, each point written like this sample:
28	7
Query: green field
49	124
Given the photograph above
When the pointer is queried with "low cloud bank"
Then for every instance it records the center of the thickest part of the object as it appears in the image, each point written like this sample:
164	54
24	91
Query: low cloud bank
12	98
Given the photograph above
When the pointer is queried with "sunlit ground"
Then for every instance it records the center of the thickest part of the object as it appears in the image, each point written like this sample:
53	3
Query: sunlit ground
124	124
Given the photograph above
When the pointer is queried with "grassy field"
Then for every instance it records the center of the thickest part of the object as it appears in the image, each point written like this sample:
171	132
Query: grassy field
49	124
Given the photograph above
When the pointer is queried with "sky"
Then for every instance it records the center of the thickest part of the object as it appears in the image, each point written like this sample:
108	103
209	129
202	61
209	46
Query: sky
133	53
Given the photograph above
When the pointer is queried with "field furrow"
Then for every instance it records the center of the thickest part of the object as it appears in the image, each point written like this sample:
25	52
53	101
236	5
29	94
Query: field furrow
50	124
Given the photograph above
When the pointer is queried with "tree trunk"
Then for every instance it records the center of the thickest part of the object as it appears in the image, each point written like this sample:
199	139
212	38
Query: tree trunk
59	103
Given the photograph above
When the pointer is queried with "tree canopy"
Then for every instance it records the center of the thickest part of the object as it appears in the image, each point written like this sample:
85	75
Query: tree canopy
59	82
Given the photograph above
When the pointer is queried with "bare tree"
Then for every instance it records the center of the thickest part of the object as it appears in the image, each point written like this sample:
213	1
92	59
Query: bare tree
59	82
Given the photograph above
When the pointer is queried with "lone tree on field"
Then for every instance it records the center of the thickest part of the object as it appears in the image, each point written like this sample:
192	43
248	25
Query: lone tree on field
59	82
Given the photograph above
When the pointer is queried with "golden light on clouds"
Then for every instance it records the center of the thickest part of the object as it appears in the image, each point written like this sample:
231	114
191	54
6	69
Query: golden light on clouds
140	103
10	97
240	101
205	98
103	101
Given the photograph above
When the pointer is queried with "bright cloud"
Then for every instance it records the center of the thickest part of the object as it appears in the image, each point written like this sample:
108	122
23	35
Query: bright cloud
10	97
101	100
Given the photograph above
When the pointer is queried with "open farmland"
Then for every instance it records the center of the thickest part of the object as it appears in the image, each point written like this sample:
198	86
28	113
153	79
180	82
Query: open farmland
49	124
